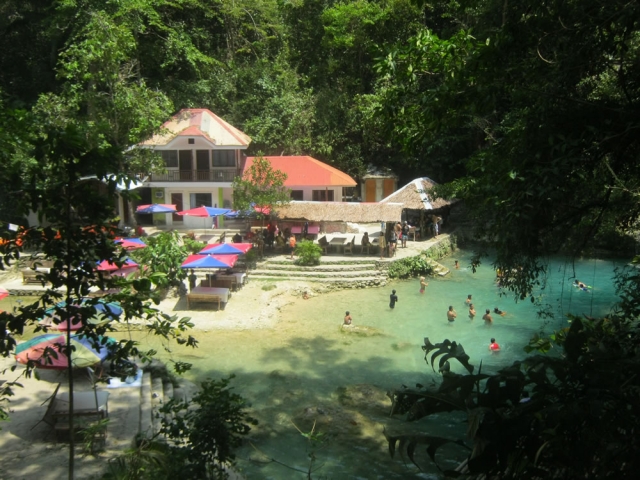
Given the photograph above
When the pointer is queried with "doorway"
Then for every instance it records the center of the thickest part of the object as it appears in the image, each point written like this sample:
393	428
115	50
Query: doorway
176	199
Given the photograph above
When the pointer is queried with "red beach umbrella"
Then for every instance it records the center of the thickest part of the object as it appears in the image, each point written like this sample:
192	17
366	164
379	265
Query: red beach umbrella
226	248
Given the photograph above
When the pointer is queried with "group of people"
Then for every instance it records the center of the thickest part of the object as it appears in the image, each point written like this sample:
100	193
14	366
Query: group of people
389	240
472	311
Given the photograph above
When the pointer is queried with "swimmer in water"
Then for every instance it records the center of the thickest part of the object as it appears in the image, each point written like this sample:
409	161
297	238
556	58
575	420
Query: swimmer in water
451	314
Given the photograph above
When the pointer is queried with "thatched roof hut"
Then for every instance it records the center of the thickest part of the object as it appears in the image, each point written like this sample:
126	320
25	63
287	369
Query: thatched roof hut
340	212
414	196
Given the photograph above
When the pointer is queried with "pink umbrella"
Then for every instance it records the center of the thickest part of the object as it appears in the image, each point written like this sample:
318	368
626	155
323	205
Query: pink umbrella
110	267
130	243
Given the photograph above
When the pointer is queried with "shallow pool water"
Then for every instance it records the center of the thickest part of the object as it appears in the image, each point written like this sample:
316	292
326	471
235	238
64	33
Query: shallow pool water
294	373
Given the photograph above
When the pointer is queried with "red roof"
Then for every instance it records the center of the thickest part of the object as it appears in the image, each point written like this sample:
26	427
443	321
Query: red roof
307	171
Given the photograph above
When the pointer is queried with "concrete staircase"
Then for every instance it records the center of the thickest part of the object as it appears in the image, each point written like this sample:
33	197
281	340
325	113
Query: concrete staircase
154	393
351	273
438	269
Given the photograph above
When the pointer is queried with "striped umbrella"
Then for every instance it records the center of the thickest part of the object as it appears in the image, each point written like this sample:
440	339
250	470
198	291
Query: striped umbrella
49	351
103	311
156	208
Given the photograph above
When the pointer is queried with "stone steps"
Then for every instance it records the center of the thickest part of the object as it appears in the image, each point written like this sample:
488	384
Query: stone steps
338	272
349	274
438	269
334	281
154	393
337	268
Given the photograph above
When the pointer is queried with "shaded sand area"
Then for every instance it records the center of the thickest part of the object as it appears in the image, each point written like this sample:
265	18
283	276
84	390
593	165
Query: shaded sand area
29	448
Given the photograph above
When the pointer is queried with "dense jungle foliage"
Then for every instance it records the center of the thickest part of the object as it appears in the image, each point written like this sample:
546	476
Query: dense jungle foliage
527	111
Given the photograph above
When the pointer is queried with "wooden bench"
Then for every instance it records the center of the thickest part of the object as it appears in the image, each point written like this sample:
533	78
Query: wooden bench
203	298
33	276
220	282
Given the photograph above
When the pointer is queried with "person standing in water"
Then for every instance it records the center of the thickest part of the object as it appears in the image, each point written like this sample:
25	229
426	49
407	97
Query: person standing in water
423	284
472	311
493	346
393	298
347	319
468	300
451	314
487	317
457	265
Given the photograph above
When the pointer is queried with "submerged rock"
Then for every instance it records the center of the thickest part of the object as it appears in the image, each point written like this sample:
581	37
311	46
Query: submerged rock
364	397
361	330
399	346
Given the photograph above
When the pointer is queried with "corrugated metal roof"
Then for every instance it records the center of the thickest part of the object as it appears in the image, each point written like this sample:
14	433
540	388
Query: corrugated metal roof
414	196
307	171
340	212
194	122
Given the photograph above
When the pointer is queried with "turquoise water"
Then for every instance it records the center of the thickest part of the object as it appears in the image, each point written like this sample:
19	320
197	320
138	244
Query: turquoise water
292	374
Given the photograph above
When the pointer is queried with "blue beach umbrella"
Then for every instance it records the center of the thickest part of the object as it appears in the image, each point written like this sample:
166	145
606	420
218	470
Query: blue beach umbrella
156	208
210	261
110	310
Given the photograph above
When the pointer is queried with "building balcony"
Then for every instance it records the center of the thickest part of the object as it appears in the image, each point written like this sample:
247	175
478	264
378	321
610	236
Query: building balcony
215	175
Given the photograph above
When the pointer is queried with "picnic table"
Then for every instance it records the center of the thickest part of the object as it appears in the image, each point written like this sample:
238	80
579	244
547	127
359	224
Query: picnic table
208	295
338	242
240	278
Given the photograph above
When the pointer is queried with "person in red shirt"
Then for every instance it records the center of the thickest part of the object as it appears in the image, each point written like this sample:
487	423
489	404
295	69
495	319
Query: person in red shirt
493	346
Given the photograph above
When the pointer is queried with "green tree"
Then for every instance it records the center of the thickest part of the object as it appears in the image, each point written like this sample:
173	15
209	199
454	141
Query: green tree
164	254
260	187
539	107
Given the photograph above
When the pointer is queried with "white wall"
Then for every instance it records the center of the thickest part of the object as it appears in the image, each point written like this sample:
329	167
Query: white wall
308	195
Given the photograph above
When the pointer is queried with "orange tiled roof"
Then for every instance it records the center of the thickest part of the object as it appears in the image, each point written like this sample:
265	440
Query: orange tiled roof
307	171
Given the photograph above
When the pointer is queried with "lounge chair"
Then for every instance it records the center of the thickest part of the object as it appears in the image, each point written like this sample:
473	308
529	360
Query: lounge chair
324	244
